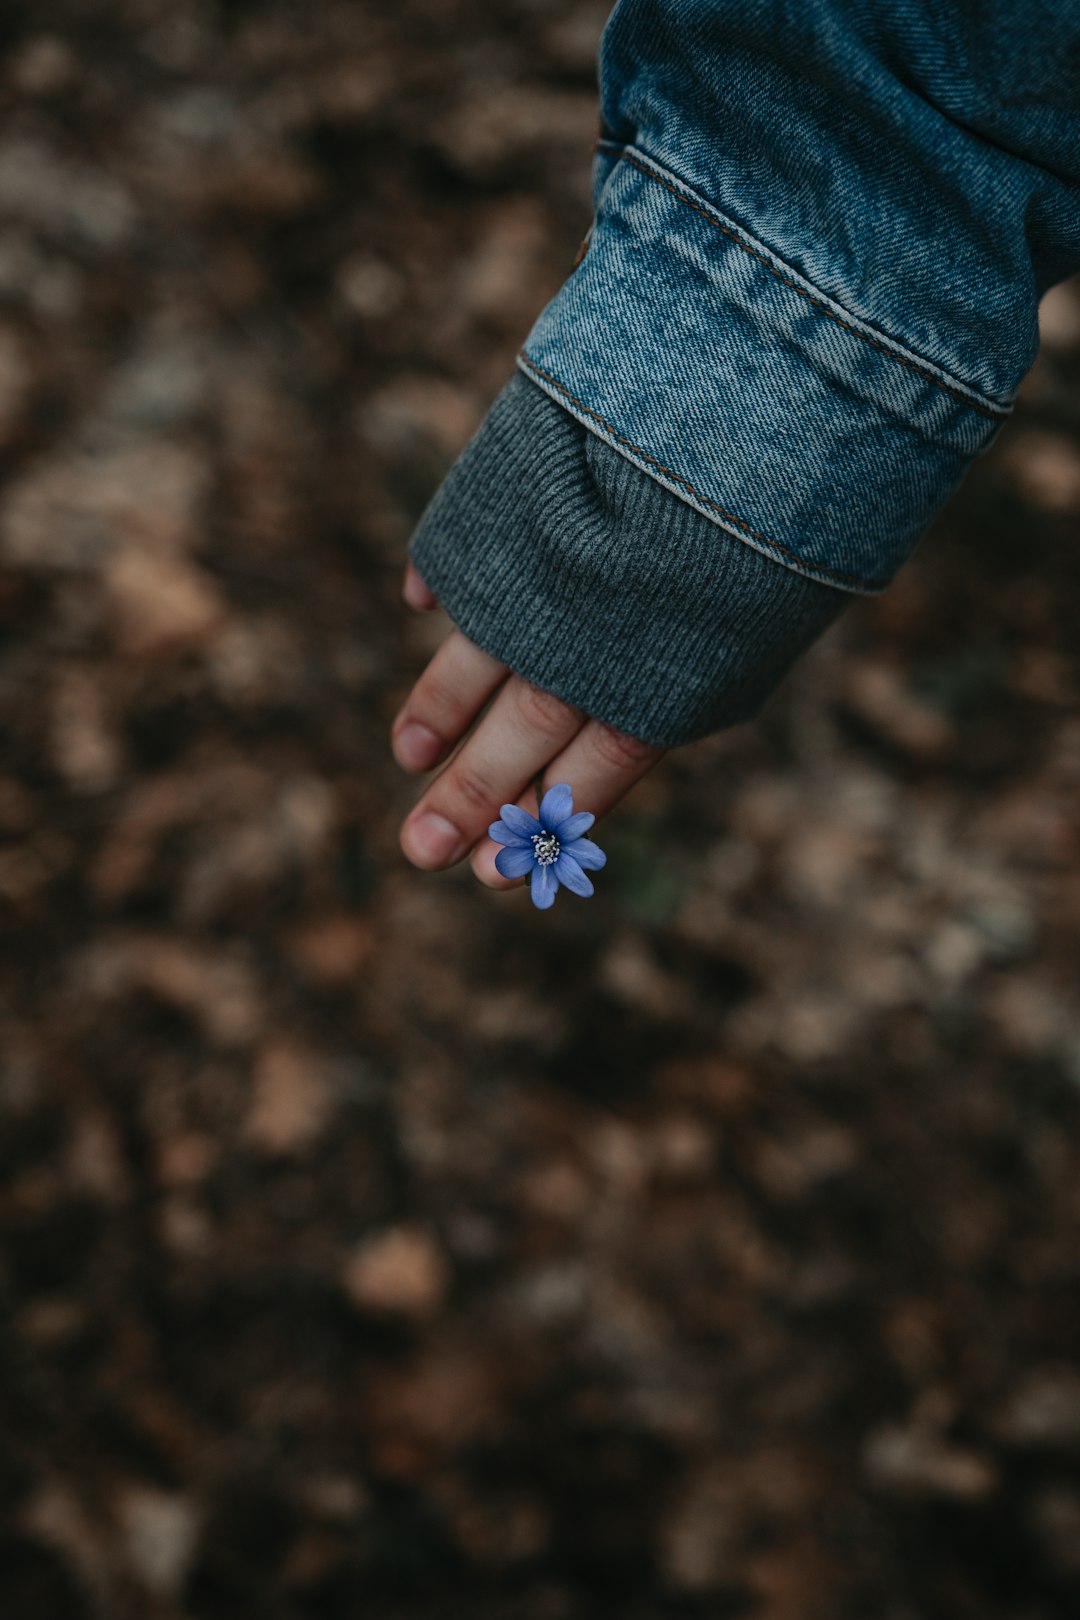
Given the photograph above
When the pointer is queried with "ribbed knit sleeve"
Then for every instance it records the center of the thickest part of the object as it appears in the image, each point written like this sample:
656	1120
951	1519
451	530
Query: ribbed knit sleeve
805	303
562	559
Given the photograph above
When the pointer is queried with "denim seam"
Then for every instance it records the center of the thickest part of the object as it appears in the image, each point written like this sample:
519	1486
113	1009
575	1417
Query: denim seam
989	408
774	545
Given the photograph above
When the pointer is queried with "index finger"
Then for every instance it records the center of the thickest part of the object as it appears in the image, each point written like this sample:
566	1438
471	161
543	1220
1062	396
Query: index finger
601	765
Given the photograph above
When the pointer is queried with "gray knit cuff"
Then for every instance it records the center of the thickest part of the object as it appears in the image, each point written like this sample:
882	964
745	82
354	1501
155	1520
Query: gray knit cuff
566	562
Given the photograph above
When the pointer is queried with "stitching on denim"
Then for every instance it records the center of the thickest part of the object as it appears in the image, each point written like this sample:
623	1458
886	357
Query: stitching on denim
882	348
850	579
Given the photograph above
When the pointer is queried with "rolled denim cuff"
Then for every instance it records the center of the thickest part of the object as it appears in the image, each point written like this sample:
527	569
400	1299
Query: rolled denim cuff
714	366
562	560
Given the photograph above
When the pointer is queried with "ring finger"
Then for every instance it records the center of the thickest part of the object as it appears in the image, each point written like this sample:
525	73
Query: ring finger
444	703
521	732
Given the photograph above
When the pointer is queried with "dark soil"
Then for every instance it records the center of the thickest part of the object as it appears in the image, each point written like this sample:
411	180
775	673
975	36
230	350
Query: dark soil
372	1244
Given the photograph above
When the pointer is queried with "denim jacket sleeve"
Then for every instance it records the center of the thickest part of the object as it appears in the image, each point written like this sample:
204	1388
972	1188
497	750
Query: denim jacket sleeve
821	232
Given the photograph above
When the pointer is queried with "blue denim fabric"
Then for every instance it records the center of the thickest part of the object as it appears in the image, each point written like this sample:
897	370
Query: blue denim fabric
822	229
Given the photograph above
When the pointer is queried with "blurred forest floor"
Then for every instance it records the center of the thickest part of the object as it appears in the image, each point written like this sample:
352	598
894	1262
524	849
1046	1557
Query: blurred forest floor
373	1245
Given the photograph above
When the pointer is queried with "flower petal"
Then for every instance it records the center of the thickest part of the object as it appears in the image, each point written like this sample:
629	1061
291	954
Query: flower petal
574	826
502	834
586	853
516	862
556	805
519	820
569	872
544	887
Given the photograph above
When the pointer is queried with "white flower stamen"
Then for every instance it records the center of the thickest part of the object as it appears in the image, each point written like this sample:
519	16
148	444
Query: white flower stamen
545	848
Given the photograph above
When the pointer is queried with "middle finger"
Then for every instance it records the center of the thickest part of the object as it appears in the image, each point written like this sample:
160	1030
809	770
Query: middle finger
524	728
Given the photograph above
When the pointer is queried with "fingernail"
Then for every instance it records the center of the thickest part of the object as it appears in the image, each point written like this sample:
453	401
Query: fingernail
416	746
431	840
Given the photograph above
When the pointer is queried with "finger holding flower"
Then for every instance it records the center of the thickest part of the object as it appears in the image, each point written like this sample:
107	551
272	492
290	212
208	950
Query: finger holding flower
549	849
500	734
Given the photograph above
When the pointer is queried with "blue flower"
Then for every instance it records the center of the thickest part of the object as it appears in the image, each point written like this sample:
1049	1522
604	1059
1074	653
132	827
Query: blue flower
550	850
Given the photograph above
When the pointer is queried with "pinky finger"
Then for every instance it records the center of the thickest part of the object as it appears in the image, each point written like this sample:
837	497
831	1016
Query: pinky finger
417	592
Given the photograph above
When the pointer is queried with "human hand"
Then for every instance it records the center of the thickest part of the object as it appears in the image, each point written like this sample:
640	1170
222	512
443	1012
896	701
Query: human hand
525	736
